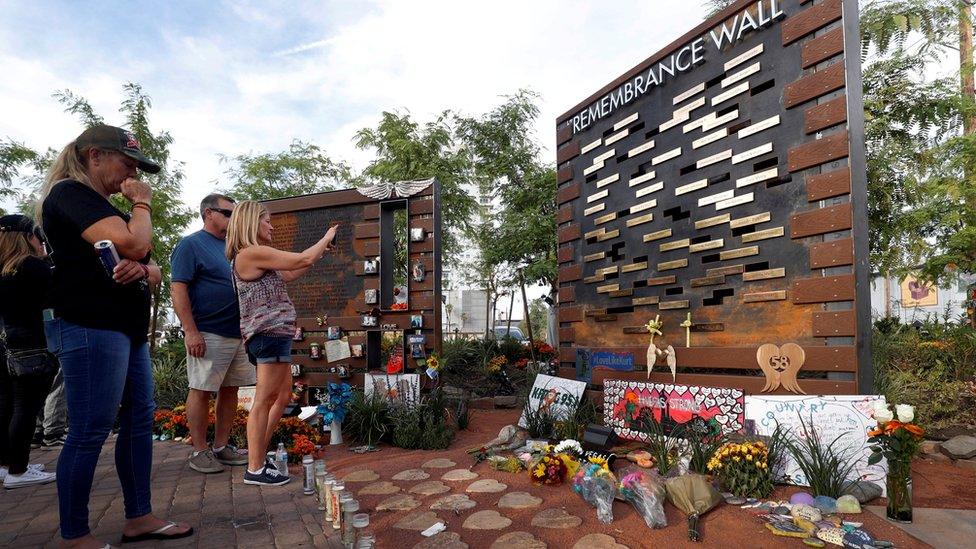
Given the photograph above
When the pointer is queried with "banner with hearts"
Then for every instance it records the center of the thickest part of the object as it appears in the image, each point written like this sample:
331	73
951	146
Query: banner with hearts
626	402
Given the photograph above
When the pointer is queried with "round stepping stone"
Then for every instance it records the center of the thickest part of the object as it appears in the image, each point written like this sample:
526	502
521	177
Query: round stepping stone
364	475
430	488
412	474
598	541
453	502
488	485
418	520
439	463
556	518
519	500
518	540
459	474
487	520
399	502
380	489
443	540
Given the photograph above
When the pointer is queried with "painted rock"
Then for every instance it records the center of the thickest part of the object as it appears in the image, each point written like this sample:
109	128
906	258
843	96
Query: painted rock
363	475
598	541
418	520
848	504
813	542
459	474
453	502
801	497
805	525
805	512
379	489
735	500
518	540
412	474
488	485
833	536
786	529
438	463
826	504
430	488
519	500
881	544
864	491
400	502
858	539
555	518
781	510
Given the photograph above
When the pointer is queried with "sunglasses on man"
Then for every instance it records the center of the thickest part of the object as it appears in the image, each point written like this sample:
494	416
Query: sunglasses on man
225	213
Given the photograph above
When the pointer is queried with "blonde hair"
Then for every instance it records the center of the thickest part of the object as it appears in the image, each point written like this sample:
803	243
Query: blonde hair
242	229
70	164
14	248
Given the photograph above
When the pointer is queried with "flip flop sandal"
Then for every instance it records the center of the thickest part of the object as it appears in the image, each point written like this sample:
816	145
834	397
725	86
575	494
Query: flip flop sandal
158	534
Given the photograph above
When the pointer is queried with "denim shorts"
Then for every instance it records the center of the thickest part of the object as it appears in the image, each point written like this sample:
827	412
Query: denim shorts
265	349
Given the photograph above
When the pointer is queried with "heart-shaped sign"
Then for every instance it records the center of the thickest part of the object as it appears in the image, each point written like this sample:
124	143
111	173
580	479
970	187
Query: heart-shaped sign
781	364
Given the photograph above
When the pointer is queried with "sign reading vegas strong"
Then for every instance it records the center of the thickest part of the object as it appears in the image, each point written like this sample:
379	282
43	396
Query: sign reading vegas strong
683	60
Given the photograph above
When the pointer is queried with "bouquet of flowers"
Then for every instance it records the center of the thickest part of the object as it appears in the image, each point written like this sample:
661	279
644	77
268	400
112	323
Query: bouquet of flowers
335	409
300	446
597	486
646	493
552	468
495	364
569	446
897	441
743	469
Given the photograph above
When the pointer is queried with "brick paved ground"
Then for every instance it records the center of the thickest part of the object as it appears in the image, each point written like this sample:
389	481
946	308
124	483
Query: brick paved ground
223	510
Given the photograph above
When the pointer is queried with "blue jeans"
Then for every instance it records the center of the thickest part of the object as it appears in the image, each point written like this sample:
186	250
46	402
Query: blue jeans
105	376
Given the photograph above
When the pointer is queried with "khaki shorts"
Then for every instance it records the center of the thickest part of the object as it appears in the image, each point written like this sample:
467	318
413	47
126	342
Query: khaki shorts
223	365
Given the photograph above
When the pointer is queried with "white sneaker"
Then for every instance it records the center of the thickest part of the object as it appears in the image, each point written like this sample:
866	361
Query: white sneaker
30	477
30	466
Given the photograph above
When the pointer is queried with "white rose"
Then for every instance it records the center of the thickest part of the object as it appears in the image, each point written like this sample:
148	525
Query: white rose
905	413
883	415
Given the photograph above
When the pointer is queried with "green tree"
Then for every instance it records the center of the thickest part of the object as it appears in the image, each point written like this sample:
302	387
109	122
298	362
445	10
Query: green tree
303	169
539	319
406	150
921	147
170	217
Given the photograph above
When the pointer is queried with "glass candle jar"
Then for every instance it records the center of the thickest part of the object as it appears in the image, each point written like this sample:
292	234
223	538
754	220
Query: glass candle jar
349	508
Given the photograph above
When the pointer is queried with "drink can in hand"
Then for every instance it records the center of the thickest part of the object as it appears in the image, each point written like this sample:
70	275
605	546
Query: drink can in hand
108	255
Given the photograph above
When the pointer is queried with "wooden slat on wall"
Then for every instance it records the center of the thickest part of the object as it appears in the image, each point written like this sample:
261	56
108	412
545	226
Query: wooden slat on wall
818	358
567	294
819	151
815	17
829	185
371	211
564	174
834	324
564	134
832	254
821	221
814	85
825	115
567	193
420	207
567	153
570	314
822	48
565	214
567	335
752	385
570	273
367	230
570	233
825	289
565	254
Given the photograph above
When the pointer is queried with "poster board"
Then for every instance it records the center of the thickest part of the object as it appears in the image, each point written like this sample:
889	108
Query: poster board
916	293
723	176
560	396
397	388
720	408
832	416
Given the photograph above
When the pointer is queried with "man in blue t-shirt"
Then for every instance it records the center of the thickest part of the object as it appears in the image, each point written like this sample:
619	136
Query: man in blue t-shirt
216	362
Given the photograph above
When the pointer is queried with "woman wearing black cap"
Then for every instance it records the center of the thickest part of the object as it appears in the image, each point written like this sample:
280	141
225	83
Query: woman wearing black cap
25	281
100	326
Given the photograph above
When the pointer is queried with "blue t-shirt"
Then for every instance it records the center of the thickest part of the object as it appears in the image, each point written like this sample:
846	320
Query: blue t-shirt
200	263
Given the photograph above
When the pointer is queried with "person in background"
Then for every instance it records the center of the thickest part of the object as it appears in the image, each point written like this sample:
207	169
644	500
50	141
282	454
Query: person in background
25	281
205	301
52	418
267	323
99	328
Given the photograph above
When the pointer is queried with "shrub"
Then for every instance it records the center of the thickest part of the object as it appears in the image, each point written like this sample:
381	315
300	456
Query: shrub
573	426
702	439
425	425
664	447
367	419
169	378
827	466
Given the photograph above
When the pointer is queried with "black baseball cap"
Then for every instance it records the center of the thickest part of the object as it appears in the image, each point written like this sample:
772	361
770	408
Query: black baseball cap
111	138
17	223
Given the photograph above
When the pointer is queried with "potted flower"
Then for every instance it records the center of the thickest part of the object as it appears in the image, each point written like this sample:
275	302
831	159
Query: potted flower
897	441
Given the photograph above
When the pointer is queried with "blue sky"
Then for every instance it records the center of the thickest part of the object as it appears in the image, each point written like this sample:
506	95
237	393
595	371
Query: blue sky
234	77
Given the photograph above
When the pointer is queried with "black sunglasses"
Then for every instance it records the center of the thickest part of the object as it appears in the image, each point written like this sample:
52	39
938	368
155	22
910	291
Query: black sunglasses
225	213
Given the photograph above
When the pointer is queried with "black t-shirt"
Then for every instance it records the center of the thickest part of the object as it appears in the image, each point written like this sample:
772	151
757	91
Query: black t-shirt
23	297
83	292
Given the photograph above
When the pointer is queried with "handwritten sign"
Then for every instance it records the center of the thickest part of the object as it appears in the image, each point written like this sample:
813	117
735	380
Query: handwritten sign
626	402
848	417
556	395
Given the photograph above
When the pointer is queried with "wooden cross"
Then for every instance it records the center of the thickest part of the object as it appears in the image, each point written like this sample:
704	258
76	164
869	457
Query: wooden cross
687	326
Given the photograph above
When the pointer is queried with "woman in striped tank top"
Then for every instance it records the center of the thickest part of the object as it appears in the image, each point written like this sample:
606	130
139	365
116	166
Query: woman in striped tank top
267	322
